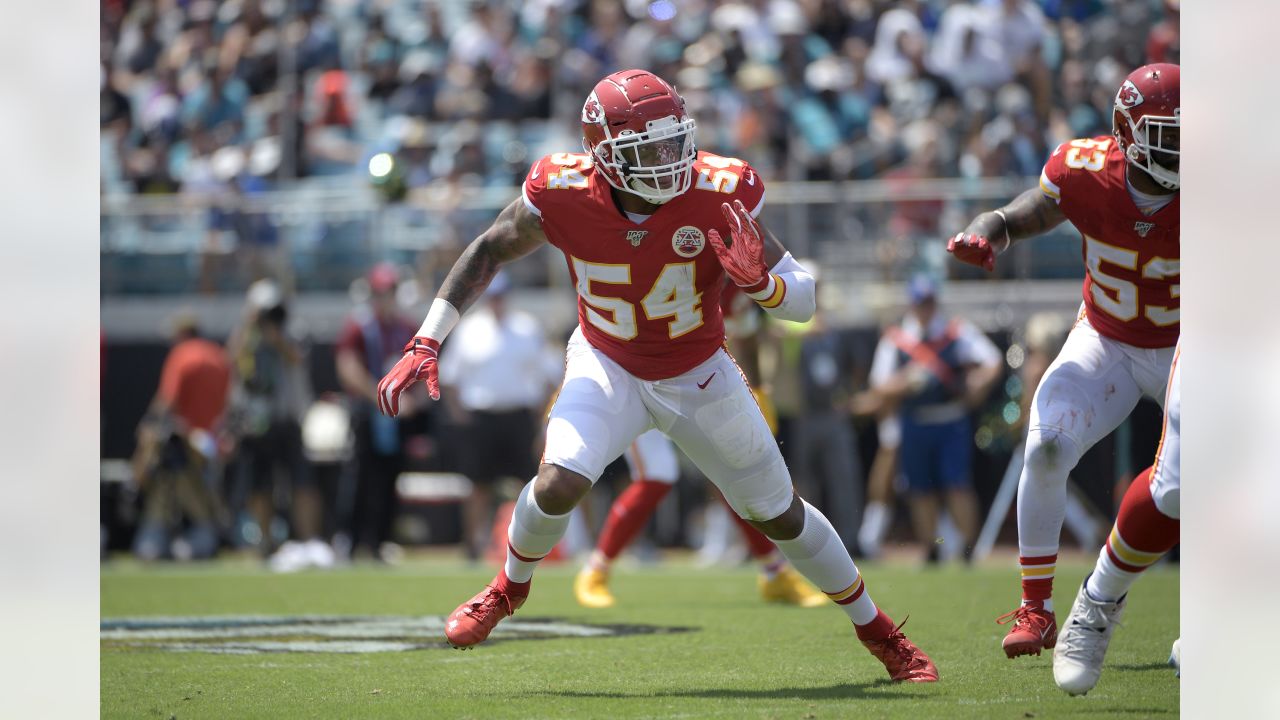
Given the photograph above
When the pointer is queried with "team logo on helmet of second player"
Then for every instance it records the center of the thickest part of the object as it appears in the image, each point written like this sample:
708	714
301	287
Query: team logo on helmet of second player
1129	95
688	241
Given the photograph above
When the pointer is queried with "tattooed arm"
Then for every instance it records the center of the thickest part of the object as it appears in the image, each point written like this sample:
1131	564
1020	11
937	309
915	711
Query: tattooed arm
515	233
994	232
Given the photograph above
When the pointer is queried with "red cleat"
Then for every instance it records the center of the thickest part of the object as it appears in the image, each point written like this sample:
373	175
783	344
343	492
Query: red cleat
904	661
1034	629
474	619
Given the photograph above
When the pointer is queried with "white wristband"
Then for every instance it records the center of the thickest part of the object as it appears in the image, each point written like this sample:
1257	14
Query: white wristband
440	320
1007	240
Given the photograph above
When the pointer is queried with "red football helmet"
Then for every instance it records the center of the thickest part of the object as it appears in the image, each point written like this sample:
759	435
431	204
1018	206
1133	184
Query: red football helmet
639	136
1147	120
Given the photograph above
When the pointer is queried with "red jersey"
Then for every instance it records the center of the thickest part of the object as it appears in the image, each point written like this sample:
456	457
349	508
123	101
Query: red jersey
194	382
1132	259
648	293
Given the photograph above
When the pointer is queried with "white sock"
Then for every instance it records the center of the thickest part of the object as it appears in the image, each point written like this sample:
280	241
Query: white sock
952	540
875	520
819	554
530	536
1108	582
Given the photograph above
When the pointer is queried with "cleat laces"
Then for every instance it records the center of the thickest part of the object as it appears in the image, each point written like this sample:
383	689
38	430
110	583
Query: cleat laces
487	605
898	650
1023	616
1094	624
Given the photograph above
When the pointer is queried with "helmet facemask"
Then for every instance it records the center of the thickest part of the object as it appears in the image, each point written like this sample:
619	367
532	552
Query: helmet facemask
1155	146
657	164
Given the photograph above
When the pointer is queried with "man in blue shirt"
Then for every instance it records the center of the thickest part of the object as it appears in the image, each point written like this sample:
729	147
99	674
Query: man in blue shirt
935	370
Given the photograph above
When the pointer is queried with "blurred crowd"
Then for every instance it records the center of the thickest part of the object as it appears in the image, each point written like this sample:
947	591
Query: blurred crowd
196	94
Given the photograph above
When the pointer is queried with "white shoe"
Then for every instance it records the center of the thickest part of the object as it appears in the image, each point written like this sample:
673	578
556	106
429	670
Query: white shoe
319	554
1175	658
1082	642
291	557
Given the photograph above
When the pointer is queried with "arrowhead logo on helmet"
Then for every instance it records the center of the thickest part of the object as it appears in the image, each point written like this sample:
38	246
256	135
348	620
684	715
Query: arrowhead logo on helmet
1128	96
591	110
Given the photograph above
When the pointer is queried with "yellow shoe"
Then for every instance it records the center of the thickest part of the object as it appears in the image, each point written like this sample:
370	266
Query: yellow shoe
789	587
591	587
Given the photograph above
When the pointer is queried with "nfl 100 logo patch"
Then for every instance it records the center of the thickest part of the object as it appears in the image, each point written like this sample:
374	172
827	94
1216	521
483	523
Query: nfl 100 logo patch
1142	228
635	236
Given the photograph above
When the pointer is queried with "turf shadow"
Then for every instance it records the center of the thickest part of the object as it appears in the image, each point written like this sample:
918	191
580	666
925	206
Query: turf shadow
1141	666
842	691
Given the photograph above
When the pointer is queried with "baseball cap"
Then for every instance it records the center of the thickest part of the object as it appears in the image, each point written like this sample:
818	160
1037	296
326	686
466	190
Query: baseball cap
921	288
383	277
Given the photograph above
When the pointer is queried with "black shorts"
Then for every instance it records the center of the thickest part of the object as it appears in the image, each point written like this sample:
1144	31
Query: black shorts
499	444
280	447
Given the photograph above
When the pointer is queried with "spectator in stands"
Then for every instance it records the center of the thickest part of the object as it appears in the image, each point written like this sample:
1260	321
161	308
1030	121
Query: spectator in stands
935	370
177	449
370	342
497	373
272	392
1164	40
219	63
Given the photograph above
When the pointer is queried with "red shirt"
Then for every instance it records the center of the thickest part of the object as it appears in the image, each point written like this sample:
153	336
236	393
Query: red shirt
194	382
648	293
1131	291
390	334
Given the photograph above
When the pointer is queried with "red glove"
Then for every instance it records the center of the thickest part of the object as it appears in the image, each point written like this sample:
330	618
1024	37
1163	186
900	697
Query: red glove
744	258
418	363
973	250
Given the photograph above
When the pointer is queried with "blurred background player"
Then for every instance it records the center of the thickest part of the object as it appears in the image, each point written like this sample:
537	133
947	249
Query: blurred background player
1146	529
272	391
934	371
368	343
177	446
1121	192
821	449
497	375
654	470
648	352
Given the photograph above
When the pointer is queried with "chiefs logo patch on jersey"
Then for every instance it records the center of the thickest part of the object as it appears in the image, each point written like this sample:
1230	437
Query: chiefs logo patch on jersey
1128	96
688	241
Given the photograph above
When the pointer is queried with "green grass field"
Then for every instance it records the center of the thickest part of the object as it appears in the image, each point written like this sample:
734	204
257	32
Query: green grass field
737	658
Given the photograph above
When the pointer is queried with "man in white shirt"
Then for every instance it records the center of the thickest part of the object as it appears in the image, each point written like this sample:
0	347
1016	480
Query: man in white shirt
497	373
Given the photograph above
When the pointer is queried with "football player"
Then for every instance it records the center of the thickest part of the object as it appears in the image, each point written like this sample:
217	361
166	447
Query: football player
655	469
1121	192
1146	528
649	225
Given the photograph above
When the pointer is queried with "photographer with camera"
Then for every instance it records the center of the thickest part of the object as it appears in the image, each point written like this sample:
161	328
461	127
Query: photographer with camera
177	449
271	394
